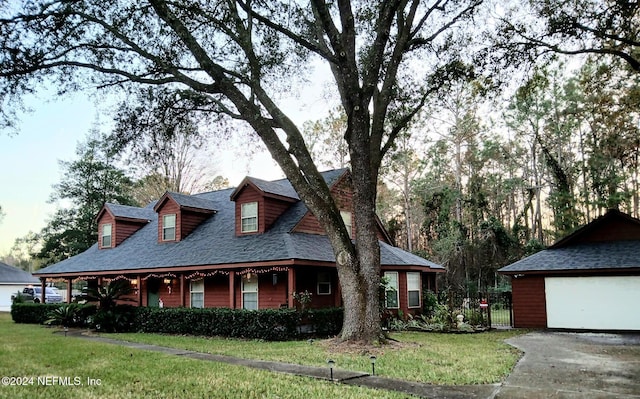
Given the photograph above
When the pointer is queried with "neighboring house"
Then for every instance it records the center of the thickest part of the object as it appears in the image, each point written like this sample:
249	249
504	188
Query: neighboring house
12	281
588	280
250	247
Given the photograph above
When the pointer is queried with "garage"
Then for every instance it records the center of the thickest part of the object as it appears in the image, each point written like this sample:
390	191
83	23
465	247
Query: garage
12	280
588	280
593	303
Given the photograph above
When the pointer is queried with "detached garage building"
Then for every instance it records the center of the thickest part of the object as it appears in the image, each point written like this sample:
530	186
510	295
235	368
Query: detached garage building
588	280
12	280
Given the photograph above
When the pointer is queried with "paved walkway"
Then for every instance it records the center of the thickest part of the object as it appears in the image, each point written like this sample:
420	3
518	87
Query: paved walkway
555	365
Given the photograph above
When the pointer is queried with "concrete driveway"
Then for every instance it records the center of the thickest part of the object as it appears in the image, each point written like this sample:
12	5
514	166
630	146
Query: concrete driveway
574	365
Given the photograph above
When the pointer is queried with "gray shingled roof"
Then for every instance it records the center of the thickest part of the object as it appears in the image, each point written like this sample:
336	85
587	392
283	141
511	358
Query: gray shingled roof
278	187
192	201
12	275
214	242
587	256
131	212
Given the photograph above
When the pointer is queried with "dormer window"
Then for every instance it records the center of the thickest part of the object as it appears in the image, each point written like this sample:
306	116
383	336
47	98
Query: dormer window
346	218
106	235
249	216
169	227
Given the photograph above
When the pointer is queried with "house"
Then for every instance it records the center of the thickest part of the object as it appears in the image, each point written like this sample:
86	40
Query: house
588	280
12	280
250	247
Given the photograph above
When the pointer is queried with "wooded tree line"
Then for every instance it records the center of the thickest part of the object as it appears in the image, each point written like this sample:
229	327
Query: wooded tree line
482	185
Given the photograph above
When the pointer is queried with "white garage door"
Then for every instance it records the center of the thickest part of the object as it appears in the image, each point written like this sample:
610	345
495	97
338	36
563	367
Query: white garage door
5	296
598	303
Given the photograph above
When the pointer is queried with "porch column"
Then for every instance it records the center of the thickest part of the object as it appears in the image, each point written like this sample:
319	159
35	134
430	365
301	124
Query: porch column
43	285
139	290
232	289
99	282
69	287
291	286
182	303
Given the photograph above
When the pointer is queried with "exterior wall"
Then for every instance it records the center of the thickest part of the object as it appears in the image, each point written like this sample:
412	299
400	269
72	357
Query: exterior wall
273	208
189	220
307	279
403	294
169	207
124	229
216	292
529	304
616	229
343	195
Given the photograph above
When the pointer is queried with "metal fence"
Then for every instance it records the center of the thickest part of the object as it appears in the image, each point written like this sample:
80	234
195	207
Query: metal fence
489	309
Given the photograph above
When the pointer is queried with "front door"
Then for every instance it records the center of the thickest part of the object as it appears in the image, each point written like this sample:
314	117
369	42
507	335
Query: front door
153	294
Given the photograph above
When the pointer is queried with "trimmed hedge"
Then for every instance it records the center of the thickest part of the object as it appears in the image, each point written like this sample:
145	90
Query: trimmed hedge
266	324
32	313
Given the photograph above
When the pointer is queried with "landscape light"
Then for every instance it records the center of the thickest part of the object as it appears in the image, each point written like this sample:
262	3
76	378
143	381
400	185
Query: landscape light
373	364
331	363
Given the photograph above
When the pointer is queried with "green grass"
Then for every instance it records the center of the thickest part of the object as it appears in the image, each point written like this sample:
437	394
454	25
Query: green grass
35	351
446	359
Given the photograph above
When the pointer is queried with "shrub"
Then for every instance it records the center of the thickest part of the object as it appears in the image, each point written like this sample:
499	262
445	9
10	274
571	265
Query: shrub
32	313
118	318
266	324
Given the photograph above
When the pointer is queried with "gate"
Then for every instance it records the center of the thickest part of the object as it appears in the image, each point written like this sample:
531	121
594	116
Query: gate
492	309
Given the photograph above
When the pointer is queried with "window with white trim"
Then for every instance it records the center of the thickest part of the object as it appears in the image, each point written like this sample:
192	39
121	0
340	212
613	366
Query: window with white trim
197	293
250	292
413	289
169	227
106	235
391	298
249	217
324	283
346	218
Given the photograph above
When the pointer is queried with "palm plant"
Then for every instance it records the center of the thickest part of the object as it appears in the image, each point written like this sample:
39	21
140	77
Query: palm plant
108	296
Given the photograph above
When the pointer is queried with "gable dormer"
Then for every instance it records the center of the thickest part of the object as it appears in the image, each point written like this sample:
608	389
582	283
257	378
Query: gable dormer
259	203
116	223
180	214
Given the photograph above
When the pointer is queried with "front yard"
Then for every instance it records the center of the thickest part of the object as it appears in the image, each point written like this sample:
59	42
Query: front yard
446	359
34	351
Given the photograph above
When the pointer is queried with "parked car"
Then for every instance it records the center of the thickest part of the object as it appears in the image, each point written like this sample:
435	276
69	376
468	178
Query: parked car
35	294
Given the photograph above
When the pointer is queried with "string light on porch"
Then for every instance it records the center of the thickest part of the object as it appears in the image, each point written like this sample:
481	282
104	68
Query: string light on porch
200	275
262	271
145	278
85	278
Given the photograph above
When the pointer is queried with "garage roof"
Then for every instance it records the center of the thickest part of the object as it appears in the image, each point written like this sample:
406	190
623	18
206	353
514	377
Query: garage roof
12	275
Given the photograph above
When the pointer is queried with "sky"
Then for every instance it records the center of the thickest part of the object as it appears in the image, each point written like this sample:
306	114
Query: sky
29	160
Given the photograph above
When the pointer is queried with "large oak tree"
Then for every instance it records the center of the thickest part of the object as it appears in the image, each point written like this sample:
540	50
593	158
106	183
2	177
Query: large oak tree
237	58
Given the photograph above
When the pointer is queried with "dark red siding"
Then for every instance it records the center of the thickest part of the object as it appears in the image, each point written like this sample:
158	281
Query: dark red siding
614	230
189	220
529	303
273	208
125	229
216	292
307	279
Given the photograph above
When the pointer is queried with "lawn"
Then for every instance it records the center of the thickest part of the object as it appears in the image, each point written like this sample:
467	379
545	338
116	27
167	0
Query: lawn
446	359
34	351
